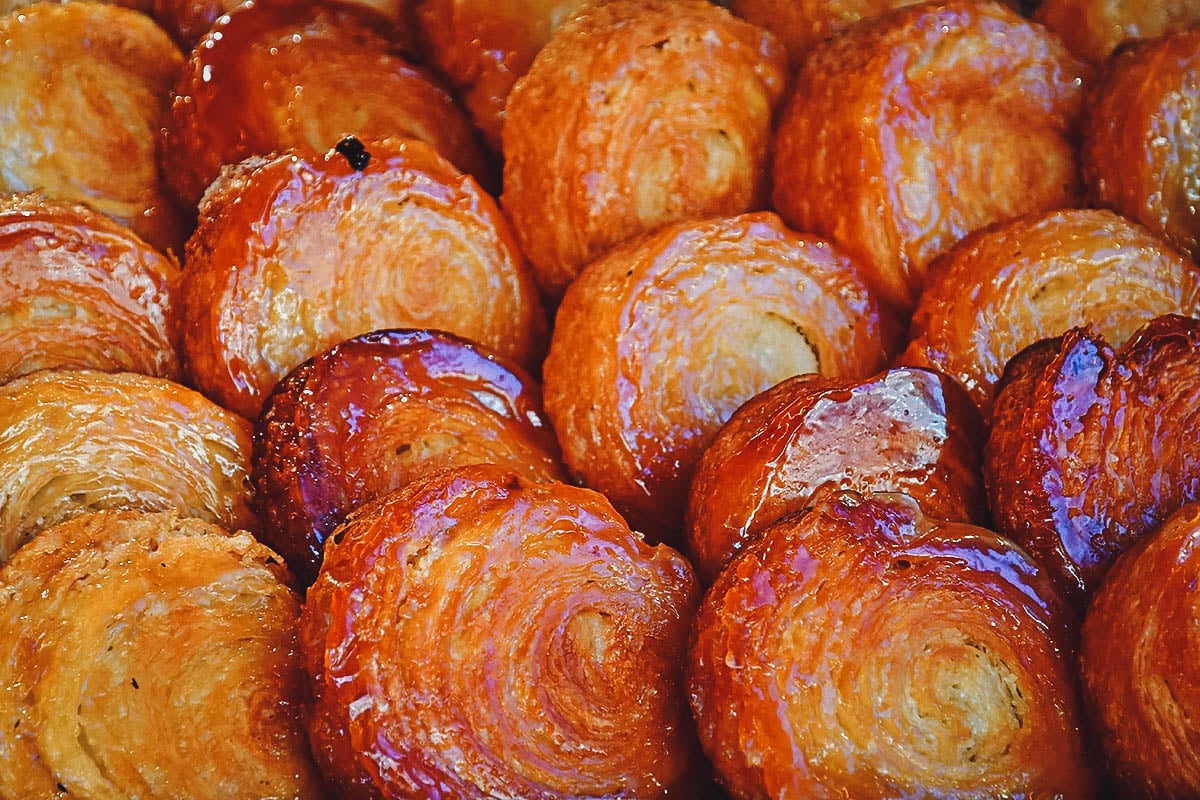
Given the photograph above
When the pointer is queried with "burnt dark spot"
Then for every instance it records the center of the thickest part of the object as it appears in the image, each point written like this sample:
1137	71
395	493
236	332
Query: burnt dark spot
133	682
661	43
61	788
901	563
355	153
403	449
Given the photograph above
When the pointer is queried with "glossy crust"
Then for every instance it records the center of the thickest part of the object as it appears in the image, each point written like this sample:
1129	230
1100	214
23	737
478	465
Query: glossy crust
1092	446
147	655
862	650
1094	28
1043	275
293	255
657	343
904	430
301	75
189	20
1141	154
800	24
78	440
906	132
662	112
1139	661
83	90
79	290
377	412
475	635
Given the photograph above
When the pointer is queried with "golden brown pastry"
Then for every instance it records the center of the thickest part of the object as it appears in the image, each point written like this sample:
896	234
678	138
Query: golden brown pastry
906	132
1091	446
658	342
905	430
79	440
379	411
1094	28
189	20
11	5
1001	289
1141	152
800	24
1140	663
474	635
148	655
864	651
83	91
301	76
295	254
79	290
636	113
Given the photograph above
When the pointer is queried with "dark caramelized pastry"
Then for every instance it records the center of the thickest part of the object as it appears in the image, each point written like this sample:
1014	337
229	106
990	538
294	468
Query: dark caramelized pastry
1093	446
295	254
1094	28
377	412
1140	661
79	290
800	24
661	112
864	651
905	430
906	132
1141	151
147	655
658	342
1002	289
78	440
474	635
189	20
83	90
301	76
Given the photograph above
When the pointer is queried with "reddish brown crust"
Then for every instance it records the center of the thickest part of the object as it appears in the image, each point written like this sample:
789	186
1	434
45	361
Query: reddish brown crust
189	20
1139	661
661	112
293	255
474	635
1141	154
1091	447
800	24
377	412
861	650
1093	29
727	307
906	132
905	430
1002	289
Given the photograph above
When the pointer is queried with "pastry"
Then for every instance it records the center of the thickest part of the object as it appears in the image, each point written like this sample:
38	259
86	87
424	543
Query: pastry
662	112
1095	28
379	411
474	635
659	341
800	24
904	430
294	254
862	650
189	20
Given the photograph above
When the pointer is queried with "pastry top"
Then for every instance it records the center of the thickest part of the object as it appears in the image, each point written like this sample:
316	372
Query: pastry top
83	91
1093	29
189	20
800	24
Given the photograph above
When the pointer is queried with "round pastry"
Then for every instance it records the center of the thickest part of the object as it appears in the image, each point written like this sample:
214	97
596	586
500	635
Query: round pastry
662	112
483	46
658	342
379	411
904	430
1141	154
83	90
280	75
1095	28
1092	446
1002	289
800	24
474	635
1139	658
908	131
147	655
189	20
79	440
295	254
79	290
862	650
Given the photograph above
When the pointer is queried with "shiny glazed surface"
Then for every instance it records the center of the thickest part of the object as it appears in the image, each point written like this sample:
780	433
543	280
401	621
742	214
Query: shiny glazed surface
146	655
189	20
905	430
864	651
1094	28
294	254
800	24
79	290
475	635
657	343
907	132
377	412
662	112
1092	446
